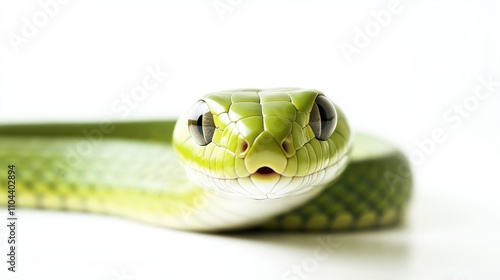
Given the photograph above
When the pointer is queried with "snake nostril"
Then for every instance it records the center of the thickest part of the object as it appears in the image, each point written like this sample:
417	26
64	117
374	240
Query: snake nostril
265	170
286	146
244	146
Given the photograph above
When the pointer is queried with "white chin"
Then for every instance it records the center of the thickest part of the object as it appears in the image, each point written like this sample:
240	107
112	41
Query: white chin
271	186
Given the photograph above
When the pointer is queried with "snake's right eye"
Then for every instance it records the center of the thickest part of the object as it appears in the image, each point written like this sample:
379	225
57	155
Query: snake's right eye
201	124
323	118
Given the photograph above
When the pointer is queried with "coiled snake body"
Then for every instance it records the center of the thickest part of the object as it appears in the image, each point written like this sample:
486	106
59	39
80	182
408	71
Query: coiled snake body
276	159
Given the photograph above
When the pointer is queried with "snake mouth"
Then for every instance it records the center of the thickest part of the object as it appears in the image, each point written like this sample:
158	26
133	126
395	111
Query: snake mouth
266	171
266	183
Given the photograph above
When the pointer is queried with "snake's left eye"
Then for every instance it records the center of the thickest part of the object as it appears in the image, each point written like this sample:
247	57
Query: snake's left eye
201	124
323	118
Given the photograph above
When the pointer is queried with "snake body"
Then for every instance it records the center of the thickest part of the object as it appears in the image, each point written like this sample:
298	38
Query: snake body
276	159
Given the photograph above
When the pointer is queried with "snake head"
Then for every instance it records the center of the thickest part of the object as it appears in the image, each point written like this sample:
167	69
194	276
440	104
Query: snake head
263	144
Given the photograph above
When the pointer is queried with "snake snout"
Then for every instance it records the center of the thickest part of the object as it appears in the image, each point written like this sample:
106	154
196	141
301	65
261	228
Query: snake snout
265	171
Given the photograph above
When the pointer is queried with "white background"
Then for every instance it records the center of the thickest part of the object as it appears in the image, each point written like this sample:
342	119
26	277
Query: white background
399	85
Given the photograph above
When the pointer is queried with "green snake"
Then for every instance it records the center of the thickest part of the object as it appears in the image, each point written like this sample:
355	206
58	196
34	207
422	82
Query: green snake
274	159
